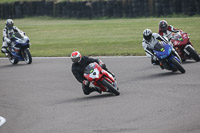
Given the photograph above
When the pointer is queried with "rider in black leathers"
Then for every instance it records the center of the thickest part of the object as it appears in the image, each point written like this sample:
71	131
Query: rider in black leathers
78	67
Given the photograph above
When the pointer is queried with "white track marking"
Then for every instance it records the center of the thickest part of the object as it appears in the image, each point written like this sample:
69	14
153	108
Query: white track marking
2	121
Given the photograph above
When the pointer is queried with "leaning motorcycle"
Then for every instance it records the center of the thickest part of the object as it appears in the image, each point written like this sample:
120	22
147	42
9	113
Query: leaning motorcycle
19	49
101	78
183	46
167	57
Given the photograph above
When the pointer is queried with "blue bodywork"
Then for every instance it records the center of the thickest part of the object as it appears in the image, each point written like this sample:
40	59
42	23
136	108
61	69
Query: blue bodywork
21	45
164	54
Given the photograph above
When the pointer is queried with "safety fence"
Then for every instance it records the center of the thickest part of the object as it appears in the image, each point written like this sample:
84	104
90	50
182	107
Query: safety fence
99	8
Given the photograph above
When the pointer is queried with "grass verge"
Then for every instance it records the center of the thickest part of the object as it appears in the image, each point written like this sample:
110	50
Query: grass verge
59	37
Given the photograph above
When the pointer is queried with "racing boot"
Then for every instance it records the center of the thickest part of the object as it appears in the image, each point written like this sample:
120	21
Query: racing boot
155	62
5	51
161	66
97	89
87	90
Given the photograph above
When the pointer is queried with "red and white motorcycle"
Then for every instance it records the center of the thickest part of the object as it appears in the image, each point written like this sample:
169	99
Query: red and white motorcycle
183	46
101	78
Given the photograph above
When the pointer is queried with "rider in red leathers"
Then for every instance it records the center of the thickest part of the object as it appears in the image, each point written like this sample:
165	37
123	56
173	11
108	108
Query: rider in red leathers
166	30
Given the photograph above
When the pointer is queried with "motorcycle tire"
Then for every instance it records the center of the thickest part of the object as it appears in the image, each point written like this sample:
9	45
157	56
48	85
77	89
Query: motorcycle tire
27	56
178	65
110	87
13	60
193	54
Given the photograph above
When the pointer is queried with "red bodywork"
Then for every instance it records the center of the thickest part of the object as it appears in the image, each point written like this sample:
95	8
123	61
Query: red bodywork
94	73
180	40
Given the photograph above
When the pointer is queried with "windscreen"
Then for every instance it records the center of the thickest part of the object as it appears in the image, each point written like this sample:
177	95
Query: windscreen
176	37
18	35
159	46
90	68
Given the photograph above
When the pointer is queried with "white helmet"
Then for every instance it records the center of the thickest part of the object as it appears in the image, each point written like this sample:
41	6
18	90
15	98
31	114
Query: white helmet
147	34
9	24
76	56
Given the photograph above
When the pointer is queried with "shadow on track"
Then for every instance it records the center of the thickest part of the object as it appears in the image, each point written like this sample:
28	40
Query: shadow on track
159	75
11	65
189	62
85	98
150	77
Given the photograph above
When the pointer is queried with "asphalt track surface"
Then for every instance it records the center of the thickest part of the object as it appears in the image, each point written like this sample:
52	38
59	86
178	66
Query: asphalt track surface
44	97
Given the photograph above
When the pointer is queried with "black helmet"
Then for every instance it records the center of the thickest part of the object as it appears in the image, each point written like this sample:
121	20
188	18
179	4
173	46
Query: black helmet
9	24
147	34
163	25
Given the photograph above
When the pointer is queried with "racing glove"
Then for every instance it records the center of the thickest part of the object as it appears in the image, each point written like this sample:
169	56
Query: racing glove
7	40
101	64
176	31
86	82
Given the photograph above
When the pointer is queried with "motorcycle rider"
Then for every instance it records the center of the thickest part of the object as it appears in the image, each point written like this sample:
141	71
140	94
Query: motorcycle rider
78	67
149	41
165	30
8	30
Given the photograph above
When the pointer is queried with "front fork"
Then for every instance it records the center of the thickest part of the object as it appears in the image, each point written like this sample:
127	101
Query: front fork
176	54
23	53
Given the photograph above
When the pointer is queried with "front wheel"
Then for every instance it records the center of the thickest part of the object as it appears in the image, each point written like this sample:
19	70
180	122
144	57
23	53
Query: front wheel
13	60
178	65
193	54
27	56
110	87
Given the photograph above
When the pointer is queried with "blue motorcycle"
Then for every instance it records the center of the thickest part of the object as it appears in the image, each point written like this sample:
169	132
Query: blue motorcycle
18	50
168	57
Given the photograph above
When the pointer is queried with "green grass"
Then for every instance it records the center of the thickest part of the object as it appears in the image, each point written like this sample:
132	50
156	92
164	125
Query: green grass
59	37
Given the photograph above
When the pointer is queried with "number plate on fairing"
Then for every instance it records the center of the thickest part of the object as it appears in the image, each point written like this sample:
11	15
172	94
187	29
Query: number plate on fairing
94	74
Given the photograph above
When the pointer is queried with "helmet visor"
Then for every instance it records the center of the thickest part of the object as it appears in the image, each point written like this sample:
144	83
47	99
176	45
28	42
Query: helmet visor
163	28
148	38
76	59
9	26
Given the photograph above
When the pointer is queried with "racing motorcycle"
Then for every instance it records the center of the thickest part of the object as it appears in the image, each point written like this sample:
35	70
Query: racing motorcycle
19	49
183	46
167	57
101	78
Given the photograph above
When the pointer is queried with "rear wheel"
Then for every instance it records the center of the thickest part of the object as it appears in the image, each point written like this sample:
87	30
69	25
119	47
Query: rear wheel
110	87
193	54
27	56
178	65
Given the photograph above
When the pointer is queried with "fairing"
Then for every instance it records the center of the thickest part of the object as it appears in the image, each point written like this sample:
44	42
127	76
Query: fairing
94	73
19	43
166	51
180	39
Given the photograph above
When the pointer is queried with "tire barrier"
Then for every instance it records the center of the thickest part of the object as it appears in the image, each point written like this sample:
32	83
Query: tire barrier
197	4
99	8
